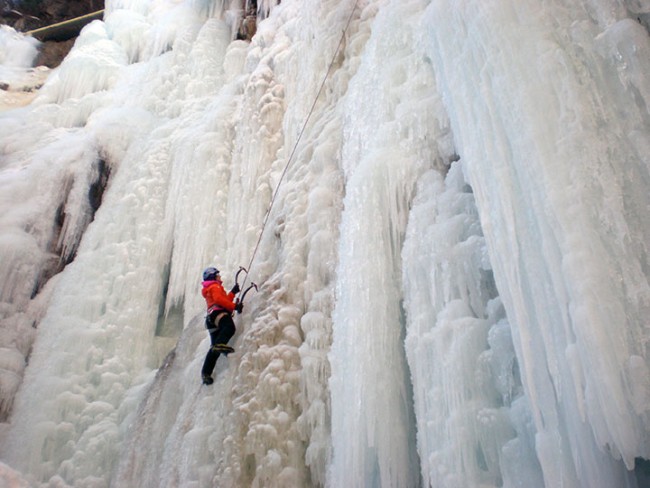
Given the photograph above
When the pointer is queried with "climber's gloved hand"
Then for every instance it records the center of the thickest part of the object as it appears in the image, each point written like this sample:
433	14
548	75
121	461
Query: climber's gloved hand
235	289
239	307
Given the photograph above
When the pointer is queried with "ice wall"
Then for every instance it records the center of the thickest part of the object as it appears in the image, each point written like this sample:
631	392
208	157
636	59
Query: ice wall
556	174
453	269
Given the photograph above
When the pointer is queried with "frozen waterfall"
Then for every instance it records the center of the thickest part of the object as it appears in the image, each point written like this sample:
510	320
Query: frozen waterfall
450	242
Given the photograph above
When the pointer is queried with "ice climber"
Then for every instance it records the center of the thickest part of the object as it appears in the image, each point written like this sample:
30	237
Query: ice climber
218	321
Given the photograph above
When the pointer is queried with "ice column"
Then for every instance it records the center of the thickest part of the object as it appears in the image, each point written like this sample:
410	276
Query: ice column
392	110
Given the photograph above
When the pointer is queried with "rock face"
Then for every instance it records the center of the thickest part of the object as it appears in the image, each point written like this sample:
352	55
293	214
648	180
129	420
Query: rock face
28	15
53	52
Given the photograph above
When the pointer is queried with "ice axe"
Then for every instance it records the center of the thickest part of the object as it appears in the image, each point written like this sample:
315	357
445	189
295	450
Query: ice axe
241	268
252	285
245	292
240	301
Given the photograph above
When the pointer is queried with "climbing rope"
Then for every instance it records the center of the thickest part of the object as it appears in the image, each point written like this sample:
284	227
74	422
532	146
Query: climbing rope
295	146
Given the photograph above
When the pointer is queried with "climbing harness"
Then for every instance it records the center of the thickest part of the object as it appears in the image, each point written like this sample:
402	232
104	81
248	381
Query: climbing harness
217	318
293	152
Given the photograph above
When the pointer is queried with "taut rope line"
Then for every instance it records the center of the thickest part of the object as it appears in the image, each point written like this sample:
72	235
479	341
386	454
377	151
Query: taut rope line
295	146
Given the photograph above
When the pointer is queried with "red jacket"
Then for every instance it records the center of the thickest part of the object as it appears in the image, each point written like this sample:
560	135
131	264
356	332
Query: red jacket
216	297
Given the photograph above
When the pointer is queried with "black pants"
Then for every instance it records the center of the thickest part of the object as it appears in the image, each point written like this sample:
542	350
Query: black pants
225	330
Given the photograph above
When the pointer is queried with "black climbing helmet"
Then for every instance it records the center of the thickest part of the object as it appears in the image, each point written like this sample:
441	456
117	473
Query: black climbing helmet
210	274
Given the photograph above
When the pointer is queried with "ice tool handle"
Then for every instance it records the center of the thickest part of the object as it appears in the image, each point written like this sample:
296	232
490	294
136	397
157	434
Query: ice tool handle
241	268
245	292
252	285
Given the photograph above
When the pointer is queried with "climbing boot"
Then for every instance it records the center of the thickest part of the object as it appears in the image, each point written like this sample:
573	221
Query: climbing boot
223	349
207	380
